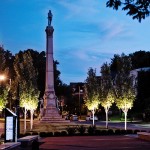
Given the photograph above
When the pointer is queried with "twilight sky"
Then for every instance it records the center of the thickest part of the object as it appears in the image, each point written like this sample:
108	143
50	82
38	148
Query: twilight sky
87	34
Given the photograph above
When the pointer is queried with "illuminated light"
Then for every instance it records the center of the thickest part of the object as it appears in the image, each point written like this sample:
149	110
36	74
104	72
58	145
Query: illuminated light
2	77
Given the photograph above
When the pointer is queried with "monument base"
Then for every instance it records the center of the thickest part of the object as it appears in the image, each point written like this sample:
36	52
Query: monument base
51	115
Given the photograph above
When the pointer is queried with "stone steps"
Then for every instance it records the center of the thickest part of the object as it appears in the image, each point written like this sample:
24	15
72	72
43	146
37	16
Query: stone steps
51	115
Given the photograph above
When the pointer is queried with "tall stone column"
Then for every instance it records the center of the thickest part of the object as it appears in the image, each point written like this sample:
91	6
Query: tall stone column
50	98
50	112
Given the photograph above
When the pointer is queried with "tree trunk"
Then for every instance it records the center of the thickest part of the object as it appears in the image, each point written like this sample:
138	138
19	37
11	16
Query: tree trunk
93	117
125	115
31	121
106	111
25	125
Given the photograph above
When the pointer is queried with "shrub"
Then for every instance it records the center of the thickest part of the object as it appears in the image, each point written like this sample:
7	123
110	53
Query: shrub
91	130
71	130
110	132
57	133
43	134
104	132
35	133
27	133
129	131
49	134
81	129
97	132
63	133
123	131
117	132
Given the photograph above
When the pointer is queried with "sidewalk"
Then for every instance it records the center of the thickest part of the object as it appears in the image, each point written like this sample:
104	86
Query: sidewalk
93	143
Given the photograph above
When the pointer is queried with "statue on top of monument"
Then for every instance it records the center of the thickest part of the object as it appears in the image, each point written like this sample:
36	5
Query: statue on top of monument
49	18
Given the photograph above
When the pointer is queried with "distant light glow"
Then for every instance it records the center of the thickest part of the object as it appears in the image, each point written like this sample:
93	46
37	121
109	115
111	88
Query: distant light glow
2	77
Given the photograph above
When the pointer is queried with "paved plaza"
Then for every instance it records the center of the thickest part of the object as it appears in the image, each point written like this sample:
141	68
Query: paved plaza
94	143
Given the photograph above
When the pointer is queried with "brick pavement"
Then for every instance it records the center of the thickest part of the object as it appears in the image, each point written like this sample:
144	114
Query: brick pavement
93	143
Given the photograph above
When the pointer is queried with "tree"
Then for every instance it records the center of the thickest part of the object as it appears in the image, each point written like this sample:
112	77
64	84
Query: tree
107	103
140	59
92	103
4	71
91	94
138	9
125	102
32	104
107	97
122	84
26	76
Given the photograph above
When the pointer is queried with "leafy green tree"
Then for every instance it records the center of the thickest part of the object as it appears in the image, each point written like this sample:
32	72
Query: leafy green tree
32	104
107	103
140	59
122	84
26	76
92	103
91	94
125	102
107	97
138	9
5	65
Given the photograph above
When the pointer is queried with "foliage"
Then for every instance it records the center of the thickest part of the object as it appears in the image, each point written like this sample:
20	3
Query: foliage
138	9
91	130
71	130
63	133
56	133
25	71
140	59
92	83
108	101
125	101
81	129
91	90
92	102
107	97
3	98
5	65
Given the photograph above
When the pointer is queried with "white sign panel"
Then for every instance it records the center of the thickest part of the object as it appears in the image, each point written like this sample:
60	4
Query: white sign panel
9	128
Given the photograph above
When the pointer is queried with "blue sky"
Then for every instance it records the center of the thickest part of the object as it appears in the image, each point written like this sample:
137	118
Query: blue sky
87	34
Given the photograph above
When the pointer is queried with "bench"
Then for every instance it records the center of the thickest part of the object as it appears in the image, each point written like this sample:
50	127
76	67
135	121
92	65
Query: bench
10	146
29	141
144	136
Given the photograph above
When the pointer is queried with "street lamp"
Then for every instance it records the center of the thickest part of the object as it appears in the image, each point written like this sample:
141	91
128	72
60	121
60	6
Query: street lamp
80	91
18	110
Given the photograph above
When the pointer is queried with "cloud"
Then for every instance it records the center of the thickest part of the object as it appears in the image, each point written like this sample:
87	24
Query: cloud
80	8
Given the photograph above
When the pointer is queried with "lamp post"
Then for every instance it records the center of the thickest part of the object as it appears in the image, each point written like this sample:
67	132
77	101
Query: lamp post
80	91
18	110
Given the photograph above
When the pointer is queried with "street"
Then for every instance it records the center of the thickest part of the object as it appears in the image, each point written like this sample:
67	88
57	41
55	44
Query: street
119	125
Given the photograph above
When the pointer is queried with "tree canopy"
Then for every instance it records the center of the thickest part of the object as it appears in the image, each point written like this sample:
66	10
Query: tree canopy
138	9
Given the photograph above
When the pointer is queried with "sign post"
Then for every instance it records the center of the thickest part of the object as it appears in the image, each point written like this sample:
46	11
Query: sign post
10	126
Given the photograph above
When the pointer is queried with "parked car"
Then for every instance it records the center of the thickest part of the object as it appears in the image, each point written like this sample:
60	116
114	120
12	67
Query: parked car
74	117
90	118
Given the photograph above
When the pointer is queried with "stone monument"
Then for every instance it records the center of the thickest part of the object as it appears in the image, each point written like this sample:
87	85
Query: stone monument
50	111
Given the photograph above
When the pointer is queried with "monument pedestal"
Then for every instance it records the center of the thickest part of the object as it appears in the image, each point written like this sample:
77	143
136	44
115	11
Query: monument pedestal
51	115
